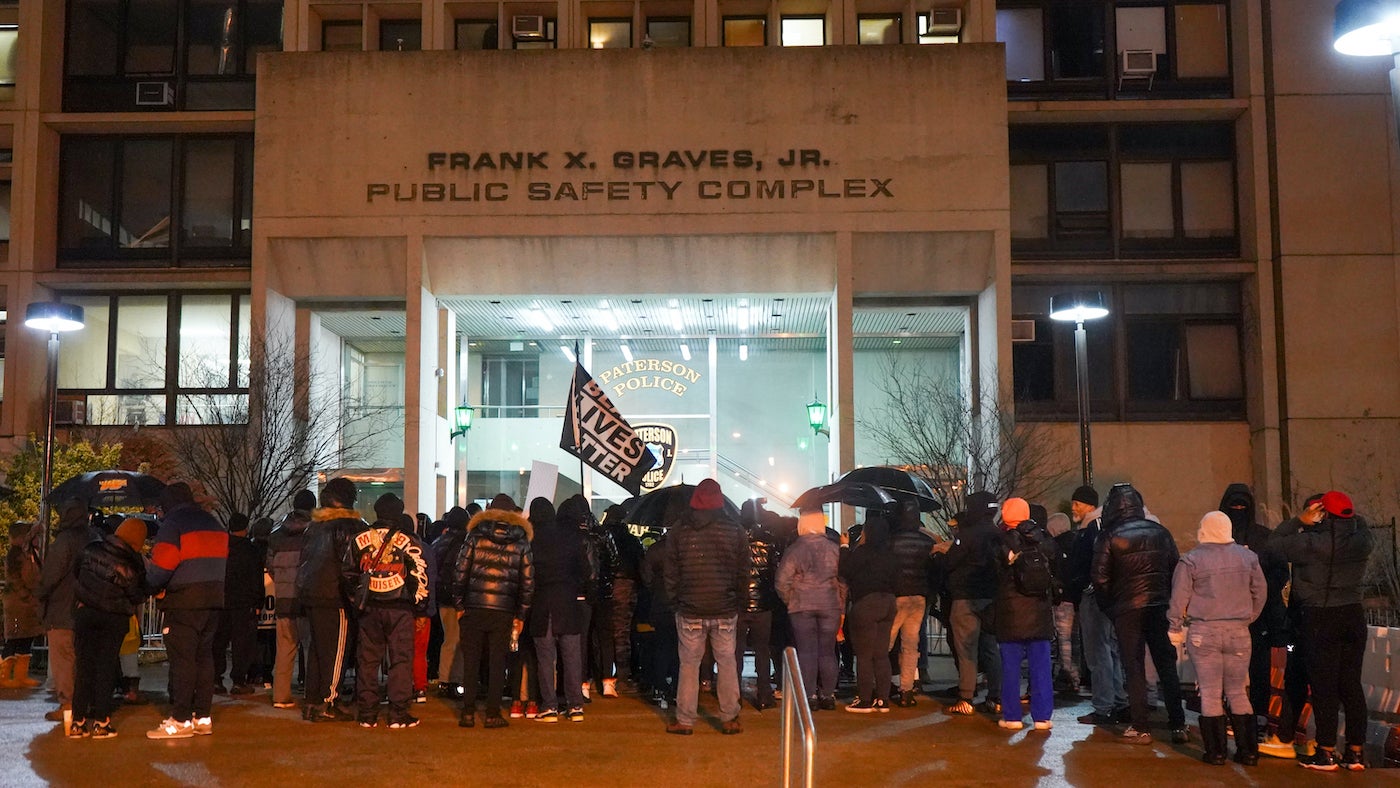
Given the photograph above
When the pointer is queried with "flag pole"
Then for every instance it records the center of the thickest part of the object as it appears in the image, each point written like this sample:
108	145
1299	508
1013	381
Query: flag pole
583	488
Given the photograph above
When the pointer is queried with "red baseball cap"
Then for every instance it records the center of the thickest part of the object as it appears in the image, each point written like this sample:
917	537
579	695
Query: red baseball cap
1337	504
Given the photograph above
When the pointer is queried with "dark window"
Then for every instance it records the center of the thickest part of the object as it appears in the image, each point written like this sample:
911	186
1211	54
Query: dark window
400	35
169	200
744	31
476	34
342	35
667	32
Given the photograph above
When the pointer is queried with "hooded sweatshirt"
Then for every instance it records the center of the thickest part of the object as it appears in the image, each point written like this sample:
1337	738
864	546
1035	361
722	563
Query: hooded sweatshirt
970	563
1217	582
1238	505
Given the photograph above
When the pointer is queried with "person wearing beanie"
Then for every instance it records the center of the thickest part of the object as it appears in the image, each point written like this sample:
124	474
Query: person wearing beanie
1109	699
1218	590
969	562
1024	621
283	557
808	582
386	577
1328	545
238	619
24	622
445	548
706	571
1060	530
322	600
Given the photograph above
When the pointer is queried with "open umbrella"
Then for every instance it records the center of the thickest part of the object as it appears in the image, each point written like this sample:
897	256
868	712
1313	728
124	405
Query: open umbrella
900	483
862	494
109	488
663	506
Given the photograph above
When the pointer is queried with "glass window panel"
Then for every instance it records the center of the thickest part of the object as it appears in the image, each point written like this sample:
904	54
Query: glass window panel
400	35
83	362
1141	28
1203	298
1177	140
262	32
4	210
1033	365
609	34
245	165
745	32
211	36
1147	200
1208	199
211	409
151	27
342	36
1077	41
207	213
1202	41
204	341
141	342
669	32
879	30
802	31
476	34
1023	33
130	409
86	213
9	54
1081	186
1213	361
1154	361
1030	201
145	194
1059	141
245	335
941	37
94	35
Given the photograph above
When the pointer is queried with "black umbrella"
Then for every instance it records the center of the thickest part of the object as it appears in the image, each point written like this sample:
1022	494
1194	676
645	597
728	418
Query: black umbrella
900	483
862	494
662	507
109	488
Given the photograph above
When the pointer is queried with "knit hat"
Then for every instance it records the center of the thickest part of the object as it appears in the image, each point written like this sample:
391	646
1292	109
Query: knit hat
1015	511
1058	523
707	496
133	531
339	492
1215	529
811	521
1085	494
304	500
502	501
1337	504
388	507
237	523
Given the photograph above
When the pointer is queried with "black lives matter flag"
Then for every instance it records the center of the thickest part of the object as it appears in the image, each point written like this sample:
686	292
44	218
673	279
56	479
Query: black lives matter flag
595	432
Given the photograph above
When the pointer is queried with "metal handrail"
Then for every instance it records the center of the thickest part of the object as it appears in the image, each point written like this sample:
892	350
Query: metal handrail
795	705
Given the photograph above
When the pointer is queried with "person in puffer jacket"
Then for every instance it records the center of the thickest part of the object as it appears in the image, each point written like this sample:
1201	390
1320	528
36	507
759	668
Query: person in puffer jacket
493	584
321	599
1132	571
110	586
283	557
756	616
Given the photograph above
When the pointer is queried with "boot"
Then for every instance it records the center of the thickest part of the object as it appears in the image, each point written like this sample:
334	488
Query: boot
19	673
7	671
1214	741
1246	739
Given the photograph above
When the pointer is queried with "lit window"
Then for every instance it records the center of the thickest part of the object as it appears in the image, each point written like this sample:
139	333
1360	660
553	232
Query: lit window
9	53
745	31
609	34
883	29
804	31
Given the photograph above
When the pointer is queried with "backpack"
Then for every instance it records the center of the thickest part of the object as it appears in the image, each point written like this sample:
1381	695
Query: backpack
1030	571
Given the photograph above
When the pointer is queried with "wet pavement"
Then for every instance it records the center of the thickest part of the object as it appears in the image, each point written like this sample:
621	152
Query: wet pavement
620	742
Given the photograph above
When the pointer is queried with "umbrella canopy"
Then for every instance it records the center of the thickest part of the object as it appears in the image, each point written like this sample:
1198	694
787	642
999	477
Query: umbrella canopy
862	494
109	488
900	483
663	506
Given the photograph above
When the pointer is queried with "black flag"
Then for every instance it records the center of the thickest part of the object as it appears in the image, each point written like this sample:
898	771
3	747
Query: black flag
595	432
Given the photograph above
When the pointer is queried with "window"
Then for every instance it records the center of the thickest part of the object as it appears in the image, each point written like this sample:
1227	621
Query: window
4	212
609	34
745	31
804	31
140	355
1060	190
400	35
168	200
342	35
510	385
476	34
1180	354
533	32
9	54
166	54
880	29
941	26
668	32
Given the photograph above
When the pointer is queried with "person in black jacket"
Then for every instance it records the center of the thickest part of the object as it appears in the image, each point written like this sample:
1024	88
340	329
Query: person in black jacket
283	557
238	620
55	594
445	549
556	616
1328	545
1110	695
626	580
969	566
110	581
597	623
1132	577
1269	631
663	668
912	549
869	570
1060	530
321	599
493	586
1025	623
755	623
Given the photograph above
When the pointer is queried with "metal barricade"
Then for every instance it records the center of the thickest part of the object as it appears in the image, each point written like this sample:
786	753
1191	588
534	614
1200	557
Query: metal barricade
796	709
151	621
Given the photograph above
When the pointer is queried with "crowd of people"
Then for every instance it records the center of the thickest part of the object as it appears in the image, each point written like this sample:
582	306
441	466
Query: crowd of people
523	612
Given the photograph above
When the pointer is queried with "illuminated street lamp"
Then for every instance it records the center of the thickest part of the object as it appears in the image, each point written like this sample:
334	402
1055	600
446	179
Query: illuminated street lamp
816	417
55	318
1076	308
1371	28
462	417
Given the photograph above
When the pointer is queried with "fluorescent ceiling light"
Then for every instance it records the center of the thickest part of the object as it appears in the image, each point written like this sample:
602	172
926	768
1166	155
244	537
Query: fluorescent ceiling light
568	353
685	352
743	352
627	352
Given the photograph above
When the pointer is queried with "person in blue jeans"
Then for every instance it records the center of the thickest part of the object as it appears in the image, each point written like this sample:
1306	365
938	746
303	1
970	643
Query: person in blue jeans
1024	614
808	584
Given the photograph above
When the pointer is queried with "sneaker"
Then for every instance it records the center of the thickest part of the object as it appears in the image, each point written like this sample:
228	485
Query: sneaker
219	689
610	688
1274	747
517	710
171	729
328	713
1322	761
1134	736
1304	749
1353	761
1044	725
576	714
961	707
368	722
467	720
1011	725
1181	736
777	694
102	730
827	703
881	706
859	706
532	710
587	692
764	703
202	726
989	706
78	730
495	721
241	689
548	715
1095	718
421	696
659	698
678	729
409	722
55	715
907	699
732	727
284	704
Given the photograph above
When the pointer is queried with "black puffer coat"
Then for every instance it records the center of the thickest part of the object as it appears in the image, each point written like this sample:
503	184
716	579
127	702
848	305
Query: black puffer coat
912	551
1020	617
1329	559
602	550
1134	559
764	557
445	549
111	577
495	569
706	565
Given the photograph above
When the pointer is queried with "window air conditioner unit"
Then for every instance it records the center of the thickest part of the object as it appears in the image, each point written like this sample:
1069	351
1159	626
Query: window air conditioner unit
155	94
527	28
70	412
1022	330
1138	62
944	22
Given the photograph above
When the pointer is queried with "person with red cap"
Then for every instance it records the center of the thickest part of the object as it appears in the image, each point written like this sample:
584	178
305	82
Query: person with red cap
1328	545
1024	619
706	572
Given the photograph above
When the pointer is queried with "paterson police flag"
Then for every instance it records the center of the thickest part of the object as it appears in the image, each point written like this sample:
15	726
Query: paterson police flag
595	432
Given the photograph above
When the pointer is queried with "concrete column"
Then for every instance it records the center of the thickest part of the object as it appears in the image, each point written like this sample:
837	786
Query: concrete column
446	404
423	426
841	382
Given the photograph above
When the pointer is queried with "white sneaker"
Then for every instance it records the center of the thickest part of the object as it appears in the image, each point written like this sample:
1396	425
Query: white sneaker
1011	725
170	729
587	690
202	726
1043	725
610	688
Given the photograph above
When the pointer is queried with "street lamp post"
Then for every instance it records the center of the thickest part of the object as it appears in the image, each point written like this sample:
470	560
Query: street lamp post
1076	308
1371	28
462	423
55	318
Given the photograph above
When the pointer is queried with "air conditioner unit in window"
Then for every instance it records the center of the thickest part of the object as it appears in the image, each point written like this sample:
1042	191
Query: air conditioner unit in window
1022	330
1137	64
155	94
69	412
944	22
527	28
